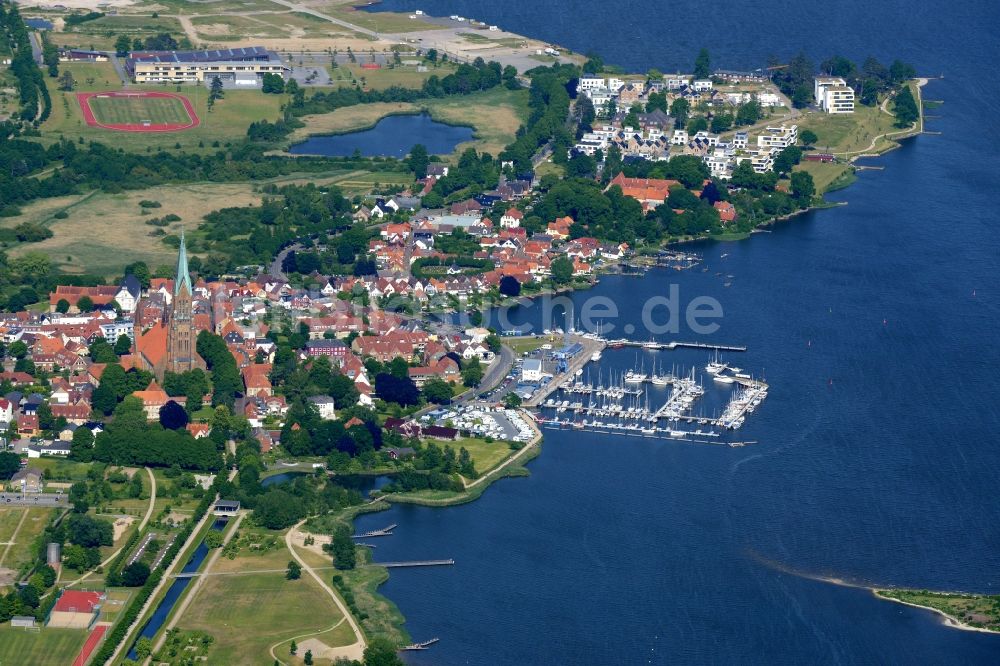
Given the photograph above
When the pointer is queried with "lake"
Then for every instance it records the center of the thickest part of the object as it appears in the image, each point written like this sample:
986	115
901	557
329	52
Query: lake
877	456
392	136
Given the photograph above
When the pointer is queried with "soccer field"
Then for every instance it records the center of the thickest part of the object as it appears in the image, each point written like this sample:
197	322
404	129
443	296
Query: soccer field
150	111
134	110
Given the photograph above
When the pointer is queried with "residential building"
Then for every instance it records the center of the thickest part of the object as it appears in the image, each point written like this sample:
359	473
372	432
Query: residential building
779	137
833	95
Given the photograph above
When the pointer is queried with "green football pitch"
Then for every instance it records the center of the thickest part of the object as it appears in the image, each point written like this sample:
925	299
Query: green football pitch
135	110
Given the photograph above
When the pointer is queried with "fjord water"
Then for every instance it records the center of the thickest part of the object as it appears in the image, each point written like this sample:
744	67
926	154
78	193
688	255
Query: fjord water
878	455
393	136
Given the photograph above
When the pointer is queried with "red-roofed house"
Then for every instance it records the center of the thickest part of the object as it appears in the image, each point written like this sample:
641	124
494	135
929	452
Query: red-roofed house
727	212
511	219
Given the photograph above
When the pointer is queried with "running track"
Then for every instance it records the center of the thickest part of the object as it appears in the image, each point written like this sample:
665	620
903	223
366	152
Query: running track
88	113
88	648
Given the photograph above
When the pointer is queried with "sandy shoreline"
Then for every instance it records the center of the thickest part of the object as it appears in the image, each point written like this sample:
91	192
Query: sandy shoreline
949	620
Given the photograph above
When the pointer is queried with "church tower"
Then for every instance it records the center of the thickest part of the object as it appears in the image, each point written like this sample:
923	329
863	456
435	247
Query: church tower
181	338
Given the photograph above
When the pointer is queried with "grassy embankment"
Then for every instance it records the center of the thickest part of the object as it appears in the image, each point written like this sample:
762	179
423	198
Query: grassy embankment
967	611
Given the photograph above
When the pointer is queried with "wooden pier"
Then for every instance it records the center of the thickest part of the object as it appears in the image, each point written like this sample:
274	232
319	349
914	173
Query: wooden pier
420	646
669	346
385	531
414	563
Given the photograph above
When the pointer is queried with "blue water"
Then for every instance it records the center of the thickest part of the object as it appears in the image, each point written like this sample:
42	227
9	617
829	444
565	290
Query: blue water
878	457
159	616
393	136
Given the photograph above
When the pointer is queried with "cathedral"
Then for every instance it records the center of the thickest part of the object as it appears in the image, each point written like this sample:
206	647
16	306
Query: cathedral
169	341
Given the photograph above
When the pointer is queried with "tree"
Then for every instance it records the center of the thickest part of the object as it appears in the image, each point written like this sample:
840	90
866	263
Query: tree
273	84
594	64
344	555
294	571
472	373
509	286
10	462
905	108
808	138
143	647
562	270
679	109
18	349
803	188
82	448
293	648
402	391
122	46
512	401
62	306
85	304
381	652
134	485
437	390
135	574
173	416
702	65
123	345
66	81
786	159
418	160
214	539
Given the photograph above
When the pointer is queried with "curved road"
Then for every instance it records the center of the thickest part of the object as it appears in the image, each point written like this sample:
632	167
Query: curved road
355	650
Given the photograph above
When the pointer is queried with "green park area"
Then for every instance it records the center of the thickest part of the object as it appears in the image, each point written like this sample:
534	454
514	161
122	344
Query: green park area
250	608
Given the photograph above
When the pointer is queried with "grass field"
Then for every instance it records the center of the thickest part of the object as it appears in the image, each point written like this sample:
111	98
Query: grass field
55	647
19	553
228	120
102	225
135	109
522	345
485	455
848	133
248	613
824	175
92	76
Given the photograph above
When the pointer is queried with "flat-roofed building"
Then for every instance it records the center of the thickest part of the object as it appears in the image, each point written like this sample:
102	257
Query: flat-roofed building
235	66
833	95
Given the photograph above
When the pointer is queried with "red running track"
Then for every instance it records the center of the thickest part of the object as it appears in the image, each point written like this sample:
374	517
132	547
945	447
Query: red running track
88	648
88	113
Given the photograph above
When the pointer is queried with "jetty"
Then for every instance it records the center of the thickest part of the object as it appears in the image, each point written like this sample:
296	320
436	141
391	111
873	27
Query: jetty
420	646
669	346
385	531
414	563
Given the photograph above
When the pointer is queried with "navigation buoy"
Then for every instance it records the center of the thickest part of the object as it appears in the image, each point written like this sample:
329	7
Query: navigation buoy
831	382
885	322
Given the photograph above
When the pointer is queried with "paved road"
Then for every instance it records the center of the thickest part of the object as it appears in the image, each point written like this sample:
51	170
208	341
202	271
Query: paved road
275	269
312	12
33	499
36	47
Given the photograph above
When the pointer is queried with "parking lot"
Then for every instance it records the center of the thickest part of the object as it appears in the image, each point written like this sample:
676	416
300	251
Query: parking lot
483	420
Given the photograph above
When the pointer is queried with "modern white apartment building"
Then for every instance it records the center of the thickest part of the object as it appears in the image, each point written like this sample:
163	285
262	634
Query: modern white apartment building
833	95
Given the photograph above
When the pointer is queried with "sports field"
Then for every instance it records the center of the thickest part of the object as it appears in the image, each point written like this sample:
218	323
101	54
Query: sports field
138	111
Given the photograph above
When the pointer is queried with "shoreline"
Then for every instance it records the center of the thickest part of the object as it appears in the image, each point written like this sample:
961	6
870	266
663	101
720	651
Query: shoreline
949	620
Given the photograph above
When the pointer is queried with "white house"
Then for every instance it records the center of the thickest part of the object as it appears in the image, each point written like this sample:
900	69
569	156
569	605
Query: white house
779	137
702	85
833	95
675	82
128	293
741	140
324	405
531	370
511	219
679	138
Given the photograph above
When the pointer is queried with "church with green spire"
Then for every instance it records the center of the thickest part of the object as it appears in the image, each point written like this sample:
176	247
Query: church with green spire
170	345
